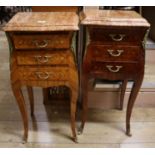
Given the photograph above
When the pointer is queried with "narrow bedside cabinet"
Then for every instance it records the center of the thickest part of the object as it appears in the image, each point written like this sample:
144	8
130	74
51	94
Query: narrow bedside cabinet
115	50
54	92
41	55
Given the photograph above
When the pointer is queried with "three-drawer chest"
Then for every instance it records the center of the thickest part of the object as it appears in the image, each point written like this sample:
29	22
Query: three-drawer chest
115	50
42	54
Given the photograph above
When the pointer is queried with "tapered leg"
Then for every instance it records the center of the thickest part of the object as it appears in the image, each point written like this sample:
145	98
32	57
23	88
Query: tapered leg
45	95
31	99
132	98
74	86
22	107
123	88
84	102
73	105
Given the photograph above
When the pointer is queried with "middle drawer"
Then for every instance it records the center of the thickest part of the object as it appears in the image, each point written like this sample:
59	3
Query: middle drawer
43	58
116	53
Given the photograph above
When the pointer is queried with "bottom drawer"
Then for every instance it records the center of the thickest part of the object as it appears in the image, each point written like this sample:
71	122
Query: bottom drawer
117	70
43	73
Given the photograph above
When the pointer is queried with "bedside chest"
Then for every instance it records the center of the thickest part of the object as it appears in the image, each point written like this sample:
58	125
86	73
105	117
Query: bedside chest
42	55
54	92
115	50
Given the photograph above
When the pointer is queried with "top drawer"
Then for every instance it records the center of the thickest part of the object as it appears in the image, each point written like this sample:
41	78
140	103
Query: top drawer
116	35
41	41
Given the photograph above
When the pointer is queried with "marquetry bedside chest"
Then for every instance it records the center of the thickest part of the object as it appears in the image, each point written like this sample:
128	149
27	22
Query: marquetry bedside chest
54	92
115	50
42	55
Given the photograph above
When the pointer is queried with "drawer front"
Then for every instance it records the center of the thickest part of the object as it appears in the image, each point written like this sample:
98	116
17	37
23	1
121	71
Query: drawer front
43	73
117	53
116	36
113	70
43	58
41	41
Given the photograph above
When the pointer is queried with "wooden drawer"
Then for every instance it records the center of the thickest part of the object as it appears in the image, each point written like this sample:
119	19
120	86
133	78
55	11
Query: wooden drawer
43	58
112	70
116	53
41	41
117	35
43	73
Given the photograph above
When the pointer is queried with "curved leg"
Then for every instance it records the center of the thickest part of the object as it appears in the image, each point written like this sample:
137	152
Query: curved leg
31	99
123	88
84	102
73	105
21	104
133	95
73	85
45	95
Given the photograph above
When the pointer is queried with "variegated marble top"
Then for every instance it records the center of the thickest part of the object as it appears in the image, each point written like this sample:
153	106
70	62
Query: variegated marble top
113	18
43	21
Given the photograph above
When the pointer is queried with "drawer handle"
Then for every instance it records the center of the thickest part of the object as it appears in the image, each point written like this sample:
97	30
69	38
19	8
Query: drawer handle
59	42
114	69
117	37
42	44
42	75
42	59
115	54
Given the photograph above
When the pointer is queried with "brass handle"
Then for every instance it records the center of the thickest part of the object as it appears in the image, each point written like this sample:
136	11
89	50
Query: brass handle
117	37
42	75
114	69
42	59
41	44
62	58
59	42
115	54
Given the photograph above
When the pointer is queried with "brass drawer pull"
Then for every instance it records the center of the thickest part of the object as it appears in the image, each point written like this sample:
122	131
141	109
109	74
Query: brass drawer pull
59	42
42	75
42	59
115	54
117	37
114	69
41	44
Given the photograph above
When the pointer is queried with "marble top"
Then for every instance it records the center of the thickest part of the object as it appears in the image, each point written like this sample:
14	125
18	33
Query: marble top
113	18
43	21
